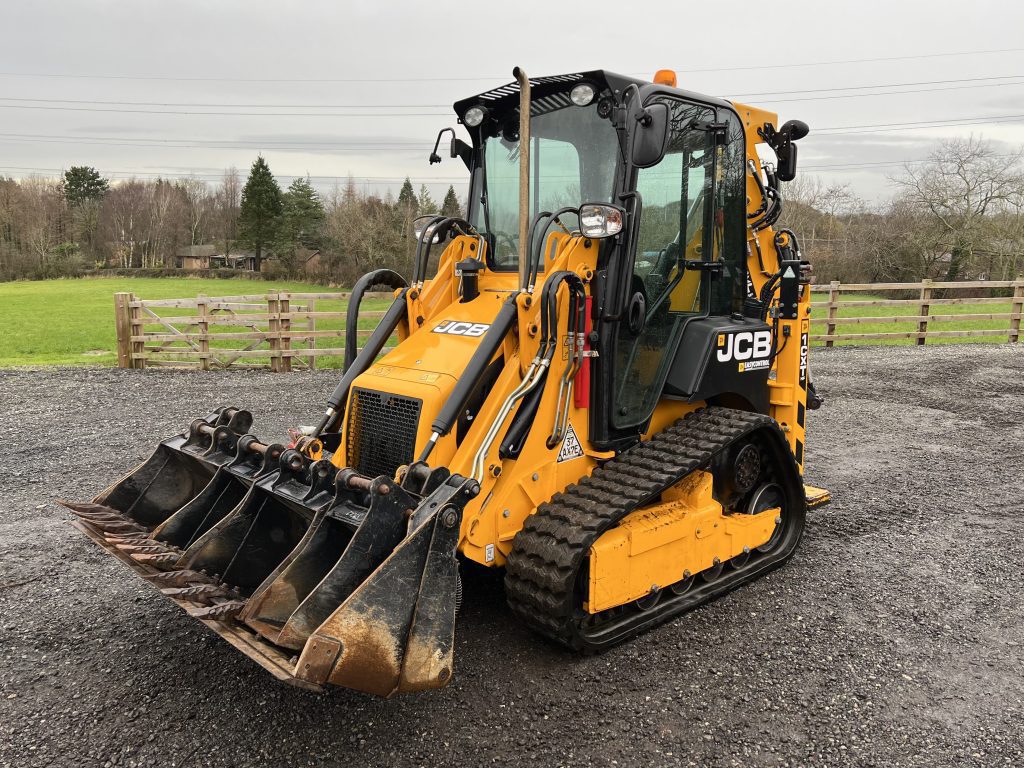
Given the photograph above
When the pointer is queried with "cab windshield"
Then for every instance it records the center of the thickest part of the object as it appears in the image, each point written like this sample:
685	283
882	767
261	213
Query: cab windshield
573	156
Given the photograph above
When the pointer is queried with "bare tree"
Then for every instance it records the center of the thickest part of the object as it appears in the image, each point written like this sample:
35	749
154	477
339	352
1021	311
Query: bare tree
199	207
43	218
124	222
228	202
821	215
963	184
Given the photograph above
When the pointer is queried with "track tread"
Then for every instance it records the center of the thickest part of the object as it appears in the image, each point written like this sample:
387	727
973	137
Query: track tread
546	554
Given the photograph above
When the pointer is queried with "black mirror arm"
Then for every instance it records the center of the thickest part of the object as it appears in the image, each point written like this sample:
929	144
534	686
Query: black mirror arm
463	151
434	157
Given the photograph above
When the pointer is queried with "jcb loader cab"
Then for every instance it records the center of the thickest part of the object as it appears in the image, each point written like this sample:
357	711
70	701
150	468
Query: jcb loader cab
602	387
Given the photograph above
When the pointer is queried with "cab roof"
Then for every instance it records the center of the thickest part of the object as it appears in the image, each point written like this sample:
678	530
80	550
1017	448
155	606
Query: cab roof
552	92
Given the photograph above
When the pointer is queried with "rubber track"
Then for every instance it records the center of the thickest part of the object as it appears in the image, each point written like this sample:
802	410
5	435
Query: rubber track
540	580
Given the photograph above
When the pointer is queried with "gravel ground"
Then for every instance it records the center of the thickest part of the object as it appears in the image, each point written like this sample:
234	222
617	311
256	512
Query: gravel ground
893	638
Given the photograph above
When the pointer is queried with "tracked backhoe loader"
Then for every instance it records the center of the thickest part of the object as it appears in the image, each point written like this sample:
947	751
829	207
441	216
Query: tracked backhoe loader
602	389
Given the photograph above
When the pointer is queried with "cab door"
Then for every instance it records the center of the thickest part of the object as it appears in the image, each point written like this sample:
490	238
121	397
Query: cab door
674	232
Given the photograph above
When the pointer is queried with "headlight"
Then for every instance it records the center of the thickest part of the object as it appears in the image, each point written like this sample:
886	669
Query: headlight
474	116
598	220
582	94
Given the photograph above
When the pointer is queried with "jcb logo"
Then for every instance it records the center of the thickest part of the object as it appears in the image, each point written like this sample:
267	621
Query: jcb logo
745	345
460	328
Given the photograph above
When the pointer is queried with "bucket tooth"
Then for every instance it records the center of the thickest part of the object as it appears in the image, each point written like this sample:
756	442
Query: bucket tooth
144	549
116	527
89	511
396	630
163	560
219	611
181	578
200	593
128	538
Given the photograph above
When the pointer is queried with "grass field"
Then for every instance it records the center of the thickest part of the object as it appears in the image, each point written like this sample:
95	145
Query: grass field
71	322
911	325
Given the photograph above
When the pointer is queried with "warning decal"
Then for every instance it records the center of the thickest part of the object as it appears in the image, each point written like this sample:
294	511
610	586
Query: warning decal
571	448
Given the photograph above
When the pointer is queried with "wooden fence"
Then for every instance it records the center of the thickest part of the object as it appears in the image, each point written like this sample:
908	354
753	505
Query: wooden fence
278	330
923	318
284	330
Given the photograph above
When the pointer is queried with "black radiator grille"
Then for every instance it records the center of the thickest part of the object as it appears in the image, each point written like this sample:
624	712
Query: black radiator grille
381	434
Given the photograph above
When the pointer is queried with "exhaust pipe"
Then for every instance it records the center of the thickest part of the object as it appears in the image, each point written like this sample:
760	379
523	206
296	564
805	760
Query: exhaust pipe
524	176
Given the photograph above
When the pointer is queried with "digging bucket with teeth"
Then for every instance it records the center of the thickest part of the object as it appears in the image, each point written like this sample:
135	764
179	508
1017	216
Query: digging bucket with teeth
322	576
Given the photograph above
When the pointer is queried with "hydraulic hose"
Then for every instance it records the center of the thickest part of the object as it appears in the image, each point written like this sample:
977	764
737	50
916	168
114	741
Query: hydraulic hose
394	315
553	218
387	277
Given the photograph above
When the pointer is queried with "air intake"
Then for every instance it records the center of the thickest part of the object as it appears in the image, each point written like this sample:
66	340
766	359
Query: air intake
381	431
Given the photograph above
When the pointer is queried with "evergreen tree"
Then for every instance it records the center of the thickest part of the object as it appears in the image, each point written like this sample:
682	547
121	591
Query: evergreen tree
425	202
451	205
407	197
261	209
83	183
303	213
302	220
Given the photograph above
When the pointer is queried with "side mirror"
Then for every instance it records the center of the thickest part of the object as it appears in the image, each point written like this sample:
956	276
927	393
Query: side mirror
650	135
434	157
787	163
785	147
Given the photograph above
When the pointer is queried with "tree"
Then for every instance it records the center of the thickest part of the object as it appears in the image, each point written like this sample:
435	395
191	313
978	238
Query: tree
198	205
407	198
425	203
451	205
226	201
260	210
961	186
83	183
302	221
44	221
84	189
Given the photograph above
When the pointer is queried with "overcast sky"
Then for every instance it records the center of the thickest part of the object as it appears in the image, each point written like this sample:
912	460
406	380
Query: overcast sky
331	89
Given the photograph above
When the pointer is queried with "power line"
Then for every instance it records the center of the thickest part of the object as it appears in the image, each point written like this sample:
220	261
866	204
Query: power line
923	126
220	174
835	62
395	143
891	93
208	105
877	85
234	114
884	163
944	121
449	114
100	141
758	66
249	106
